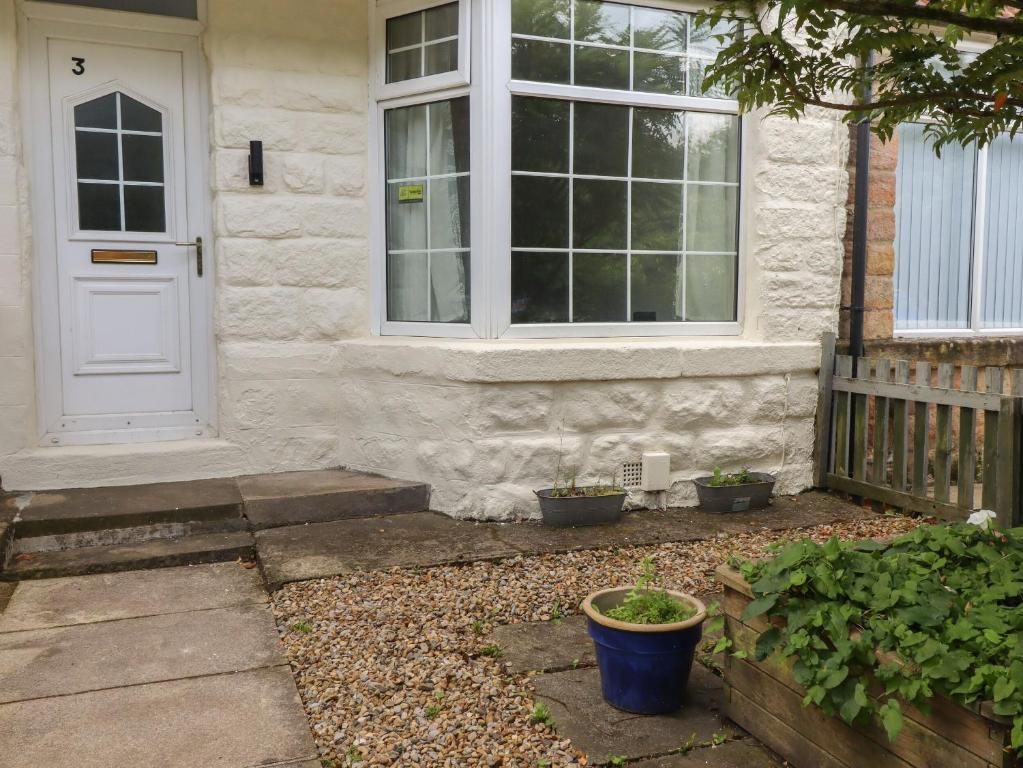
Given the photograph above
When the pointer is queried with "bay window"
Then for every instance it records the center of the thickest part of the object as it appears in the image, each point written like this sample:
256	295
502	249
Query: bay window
552	168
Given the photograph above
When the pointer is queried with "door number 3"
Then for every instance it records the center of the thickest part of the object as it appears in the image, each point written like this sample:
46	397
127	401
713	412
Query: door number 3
79	67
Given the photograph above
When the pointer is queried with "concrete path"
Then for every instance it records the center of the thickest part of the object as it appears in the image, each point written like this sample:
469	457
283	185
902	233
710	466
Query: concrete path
165	668
301	552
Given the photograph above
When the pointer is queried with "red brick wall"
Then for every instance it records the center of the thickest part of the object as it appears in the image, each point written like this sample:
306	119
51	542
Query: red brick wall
877	316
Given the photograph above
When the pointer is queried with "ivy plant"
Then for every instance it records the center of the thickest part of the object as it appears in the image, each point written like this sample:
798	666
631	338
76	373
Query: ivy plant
870	625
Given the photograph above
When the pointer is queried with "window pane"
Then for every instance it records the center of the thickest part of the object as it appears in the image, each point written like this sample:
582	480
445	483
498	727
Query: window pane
657	288
96	155
449	136
656	217
660	30
142	157
143	209
541	61
539	212
599	214
539	288
405	138
933	232
98	113
598	287
441	57
99	207
442	21
449	213
1002	303
697	67
601	67
701	38
543	18
407	298
449	287
658	143
713	147
136	116
710	288
406	218
597	22
404	30
710	217
405	65
654	73
601	139
540	134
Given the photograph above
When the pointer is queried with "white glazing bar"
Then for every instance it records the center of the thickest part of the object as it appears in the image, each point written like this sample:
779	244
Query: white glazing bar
571	206
980	216
628	217
120	165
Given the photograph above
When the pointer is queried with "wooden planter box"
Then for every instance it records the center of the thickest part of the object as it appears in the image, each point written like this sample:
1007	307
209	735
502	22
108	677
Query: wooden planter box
763	698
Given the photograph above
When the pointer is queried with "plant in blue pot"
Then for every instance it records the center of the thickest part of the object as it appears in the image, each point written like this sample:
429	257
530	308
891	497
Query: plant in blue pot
645	637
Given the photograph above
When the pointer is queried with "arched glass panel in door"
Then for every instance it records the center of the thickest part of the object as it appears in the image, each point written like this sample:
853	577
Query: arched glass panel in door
119	165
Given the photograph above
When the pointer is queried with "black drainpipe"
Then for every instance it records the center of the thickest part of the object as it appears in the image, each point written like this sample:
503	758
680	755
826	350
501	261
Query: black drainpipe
859	244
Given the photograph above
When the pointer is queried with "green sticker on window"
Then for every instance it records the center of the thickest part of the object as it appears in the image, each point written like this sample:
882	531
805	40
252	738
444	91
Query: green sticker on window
410	193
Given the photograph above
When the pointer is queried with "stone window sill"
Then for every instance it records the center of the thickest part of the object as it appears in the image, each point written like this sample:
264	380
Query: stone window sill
552	360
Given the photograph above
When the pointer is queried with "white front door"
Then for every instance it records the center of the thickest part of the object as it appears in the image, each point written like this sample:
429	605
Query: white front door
129	293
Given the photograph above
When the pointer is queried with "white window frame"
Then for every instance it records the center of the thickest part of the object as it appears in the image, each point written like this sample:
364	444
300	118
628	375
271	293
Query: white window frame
979	244
487	45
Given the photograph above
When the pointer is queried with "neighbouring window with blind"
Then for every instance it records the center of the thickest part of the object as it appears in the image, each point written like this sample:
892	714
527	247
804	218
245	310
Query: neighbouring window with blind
959	236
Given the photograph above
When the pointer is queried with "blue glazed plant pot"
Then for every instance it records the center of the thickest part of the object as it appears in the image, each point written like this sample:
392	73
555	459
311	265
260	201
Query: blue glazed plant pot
644	668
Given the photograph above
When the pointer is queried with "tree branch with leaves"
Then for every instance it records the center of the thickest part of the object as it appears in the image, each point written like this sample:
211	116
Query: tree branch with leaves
788	55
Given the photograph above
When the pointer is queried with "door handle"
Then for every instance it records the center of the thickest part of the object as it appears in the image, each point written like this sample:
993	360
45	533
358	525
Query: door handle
197	244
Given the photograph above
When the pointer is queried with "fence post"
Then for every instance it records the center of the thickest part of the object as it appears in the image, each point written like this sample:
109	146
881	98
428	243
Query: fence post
1007	496
827	370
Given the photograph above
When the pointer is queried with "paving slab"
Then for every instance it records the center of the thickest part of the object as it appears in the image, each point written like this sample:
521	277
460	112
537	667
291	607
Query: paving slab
88	657
648	527
104	597
744	753
543	646
89	509
293	498
221	721
601	731
300	552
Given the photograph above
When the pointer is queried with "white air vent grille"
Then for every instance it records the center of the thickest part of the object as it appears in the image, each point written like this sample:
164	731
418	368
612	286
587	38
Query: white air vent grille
632	474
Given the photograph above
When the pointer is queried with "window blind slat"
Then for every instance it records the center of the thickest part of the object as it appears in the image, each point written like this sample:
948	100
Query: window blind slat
1002	305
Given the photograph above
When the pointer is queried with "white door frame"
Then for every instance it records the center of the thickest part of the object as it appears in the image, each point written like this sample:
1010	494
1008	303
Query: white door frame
42	21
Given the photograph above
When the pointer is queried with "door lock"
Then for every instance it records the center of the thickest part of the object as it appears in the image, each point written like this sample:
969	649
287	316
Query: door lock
197	244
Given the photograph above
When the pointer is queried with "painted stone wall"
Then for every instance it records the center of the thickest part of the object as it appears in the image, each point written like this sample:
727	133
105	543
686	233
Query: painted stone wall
17	414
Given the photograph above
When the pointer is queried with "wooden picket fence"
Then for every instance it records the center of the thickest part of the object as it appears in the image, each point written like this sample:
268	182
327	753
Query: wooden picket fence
921	439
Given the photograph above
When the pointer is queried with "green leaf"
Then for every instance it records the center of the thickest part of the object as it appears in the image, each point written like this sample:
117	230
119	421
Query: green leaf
891	718
759	607
1003	688
835	678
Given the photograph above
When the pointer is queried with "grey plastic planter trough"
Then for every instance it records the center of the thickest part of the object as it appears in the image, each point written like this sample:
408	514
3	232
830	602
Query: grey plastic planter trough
735	498
563	511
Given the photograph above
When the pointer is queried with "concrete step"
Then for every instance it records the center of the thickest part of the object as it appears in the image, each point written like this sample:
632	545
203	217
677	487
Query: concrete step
295	498
158	553
86	510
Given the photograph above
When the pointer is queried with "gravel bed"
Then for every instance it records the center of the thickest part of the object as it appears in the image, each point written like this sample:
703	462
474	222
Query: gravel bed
392	666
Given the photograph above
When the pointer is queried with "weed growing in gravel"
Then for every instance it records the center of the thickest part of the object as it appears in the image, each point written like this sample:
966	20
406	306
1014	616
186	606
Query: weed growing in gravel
326	762
491	650
541	763
432	711
556	611
575	663
302	626
719	738
354	755
617	760
438	695
541	714
477	627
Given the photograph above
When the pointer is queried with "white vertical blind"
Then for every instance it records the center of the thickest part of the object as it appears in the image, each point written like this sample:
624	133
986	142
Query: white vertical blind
933	233
1002	276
